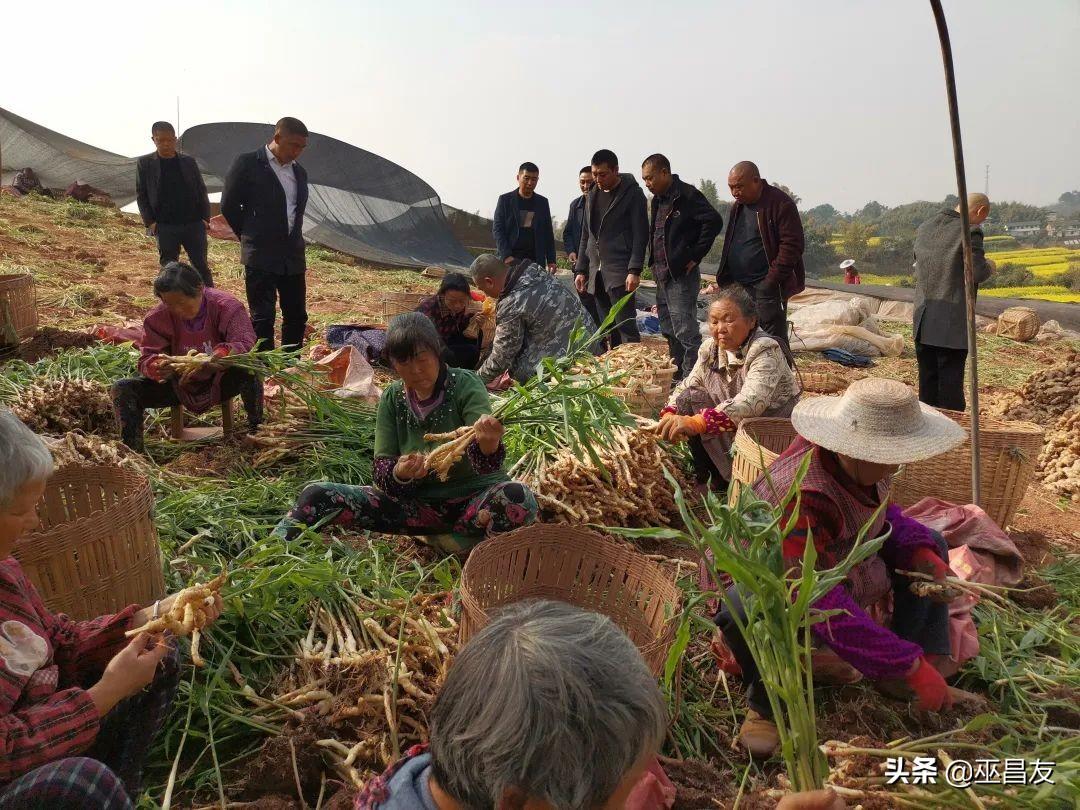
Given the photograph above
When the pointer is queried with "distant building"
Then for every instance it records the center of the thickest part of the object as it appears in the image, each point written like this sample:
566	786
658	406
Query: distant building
1063	230
1031	228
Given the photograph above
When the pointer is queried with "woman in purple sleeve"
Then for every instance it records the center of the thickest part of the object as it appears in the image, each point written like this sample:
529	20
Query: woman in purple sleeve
856	443
190	316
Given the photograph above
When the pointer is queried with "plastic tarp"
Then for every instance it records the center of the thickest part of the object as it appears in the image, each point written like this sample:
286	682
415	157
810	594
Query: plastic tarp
59	160
359	203
842	324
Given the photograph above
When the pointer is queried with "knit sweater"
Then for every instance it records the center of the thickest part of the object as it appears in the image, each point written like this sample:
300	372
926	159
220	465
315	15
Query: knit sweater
399	430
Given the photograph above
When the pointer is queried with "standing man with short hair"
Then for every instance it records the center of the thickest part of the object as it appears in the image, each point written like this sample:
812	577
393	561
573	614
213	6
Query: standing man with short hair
940	315
683	226
172	201
522	222
575	224
763	247
611	253
266	192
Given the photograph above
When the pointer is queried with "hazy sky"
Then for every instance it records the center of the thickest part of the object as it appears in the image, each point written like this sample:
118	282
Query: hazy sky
843	100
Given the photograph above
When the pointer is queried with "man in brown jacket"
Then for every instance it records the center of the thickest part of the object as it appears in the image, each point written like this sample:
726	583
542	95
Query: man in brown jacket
763	247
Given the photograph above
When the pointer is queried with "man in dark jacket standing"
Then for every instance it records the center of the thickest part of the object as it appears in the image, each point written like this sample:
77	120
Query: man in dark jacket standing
172	201
611	253
763	247
940	316
683	226
575	224
266	192
522	222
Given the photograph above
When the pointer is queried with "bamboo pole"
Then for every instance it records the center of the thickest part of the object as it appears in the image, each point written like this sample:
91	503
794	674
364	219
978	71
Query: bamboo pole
965	233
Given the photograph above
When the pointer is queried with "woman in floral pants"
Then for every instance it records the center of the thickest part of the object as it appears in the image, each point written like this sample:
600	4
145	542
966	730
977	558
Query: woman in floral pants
476	500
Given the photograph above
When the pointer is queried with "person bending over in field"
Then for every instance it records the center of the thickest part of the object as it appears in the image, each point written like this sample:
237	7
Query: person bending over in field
475	501
80	704
856	443
190	316
741	372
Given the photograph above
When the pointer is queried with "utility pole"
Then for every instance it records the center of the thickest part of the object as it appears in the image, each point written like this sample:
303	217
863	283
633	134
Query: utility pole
986	188
178	130
965	238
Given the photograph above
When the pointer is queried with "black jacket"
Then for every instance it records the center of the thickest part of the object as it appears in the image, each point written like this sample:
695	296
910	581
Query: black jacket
507	222
575	224
617	246
148	186
690	230
253	203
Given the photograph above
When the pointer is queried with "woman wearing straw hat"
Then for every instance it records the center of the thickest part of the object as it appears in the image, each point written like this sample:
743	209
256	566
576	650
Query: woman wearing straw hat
740	372
856	443
851	272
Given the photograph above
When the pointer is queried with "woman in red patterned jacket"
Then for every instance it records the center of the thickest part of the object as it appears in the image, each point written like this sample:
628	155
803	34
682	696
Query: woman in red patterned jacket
79	703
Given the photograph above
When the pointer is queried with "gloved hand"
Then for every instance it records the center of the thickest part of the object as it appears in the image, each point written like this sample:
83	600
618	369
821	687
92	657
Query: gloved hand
220	351
931	691
154	369
926	561
675	428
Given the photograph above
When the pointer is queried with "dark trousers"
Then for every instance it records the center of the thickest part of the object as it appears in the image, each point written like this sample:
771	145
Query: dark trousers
941	376
588	300
461	352
624	330
756	695
772	311
676	306
263	292
191	237
132	396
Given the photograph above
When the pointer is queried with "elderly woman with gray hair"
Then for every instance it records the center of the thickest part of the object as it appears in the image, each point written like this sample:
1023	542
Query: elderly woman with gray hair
80	703
741	372
549	706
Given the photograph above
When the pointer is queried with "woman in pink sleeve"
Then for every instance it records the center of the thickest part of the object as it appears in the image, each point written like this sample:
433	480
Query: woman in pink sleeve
80	704
190	316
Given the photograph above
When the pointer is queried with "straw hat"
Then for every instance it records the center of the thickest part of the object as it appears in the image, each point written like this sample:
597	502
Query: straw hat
846	263
880	421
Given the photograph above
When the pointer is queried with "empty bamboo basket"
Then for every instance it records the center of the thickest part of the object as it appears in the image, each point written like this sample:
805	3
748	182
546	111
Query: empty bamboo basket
397	303
18	308
1018	323
96	550
757	444
1009	452
578	566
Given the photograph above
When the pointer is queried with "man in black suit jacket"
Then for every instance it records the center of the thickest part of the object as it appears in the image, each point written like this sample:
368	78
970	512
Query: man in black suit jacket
172	201
264	198
522	222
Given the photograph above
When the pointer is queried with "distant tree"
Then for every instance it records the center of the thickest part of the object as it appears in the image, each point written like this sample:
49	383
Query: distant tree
708	188
855	239
1010	275
950	201
1070	198
871	212
1012	211
789	192
819	256
823	214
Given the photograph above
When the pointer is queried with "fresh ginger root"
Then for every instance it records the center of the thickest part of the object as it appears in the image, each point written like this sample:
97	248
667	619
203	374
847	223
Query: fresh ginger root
186	616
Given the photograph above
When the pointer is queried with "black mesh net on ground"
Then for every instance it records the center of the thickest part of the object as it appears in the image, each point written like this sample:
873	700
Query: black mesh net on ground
59	160
360	203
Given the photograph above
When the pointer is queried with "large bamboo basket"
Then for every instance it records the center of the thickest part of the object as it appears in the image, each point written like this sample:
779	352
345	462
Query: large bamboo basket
96	550
18	308
642	400
1009	452
1018	323
758	443
578	566
397	303
822	382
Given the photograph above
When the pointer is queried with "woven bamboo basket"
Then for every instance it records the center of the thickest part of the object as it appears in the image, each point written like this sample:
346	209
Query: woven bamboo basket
396	303
96	550
822	382
578	566
1018	323
655	343
757	444
18	308
642	399
1009	452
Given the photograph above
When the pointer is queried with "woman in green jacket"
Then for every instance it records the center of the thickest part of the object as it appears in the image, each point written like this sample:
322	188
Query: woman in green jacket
476	500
